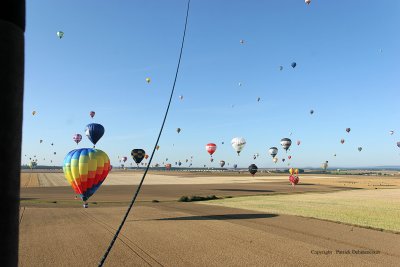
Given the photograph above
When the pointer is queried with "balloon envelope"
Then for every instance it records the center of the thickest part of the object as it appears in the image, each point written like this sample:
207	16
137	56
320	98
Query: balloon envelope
293	179
273	151
77	138
238	144
94	132
138	155
253	169
92	113
286	143
86	169
211	148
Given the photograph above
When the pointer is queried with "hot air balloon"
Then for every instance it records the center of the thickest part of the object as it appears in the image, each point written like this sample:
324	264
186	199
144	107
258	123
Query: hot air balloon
242	41
298	142
283	160
94	132
253	169
92	113
124	159
52	144
179	163
211	159
146	156
138	155
293	179
334	155
324	166
148	80
238	144
307	2
398	144
258	99
181	97
273	151
286	143
40	141
235	166
54	153
275	160
33	113
240	84
60	34
157	147
254	156
311	112
294	64
342	141
77	138
178	130
348	130
32	164
359	149
391	132
280	67
86	169
289	157
211	147
221	163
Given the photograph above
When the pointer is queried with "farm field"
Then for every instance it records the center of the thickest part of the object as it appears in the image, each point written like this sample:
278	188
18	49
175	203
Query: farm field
56	230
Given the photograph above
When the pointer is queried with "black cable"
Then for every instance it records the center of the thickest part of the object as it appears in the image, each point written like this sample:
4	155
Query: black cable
154	149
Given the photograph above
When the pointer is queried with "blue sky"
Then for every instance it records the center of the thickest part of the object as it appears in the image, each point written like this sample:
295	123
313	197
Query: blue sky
347	71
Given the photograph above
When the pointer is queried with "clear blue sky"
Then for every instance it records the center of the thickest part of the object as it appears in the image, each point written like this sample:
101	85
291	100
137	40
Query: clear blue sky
347	55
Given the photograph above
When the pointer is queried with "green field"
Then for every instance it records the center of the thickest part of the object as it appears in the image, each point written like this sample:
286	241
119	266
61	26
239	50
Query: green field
379	209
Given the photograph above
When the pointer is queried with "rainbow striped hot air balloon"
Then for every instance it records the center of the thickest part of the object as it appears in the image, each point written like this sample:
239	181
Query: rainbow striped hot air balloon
86	169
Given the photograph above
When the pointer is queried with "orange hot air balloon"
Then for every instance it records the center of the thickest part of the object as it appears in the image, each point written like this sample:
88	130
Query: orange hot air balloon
146	156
